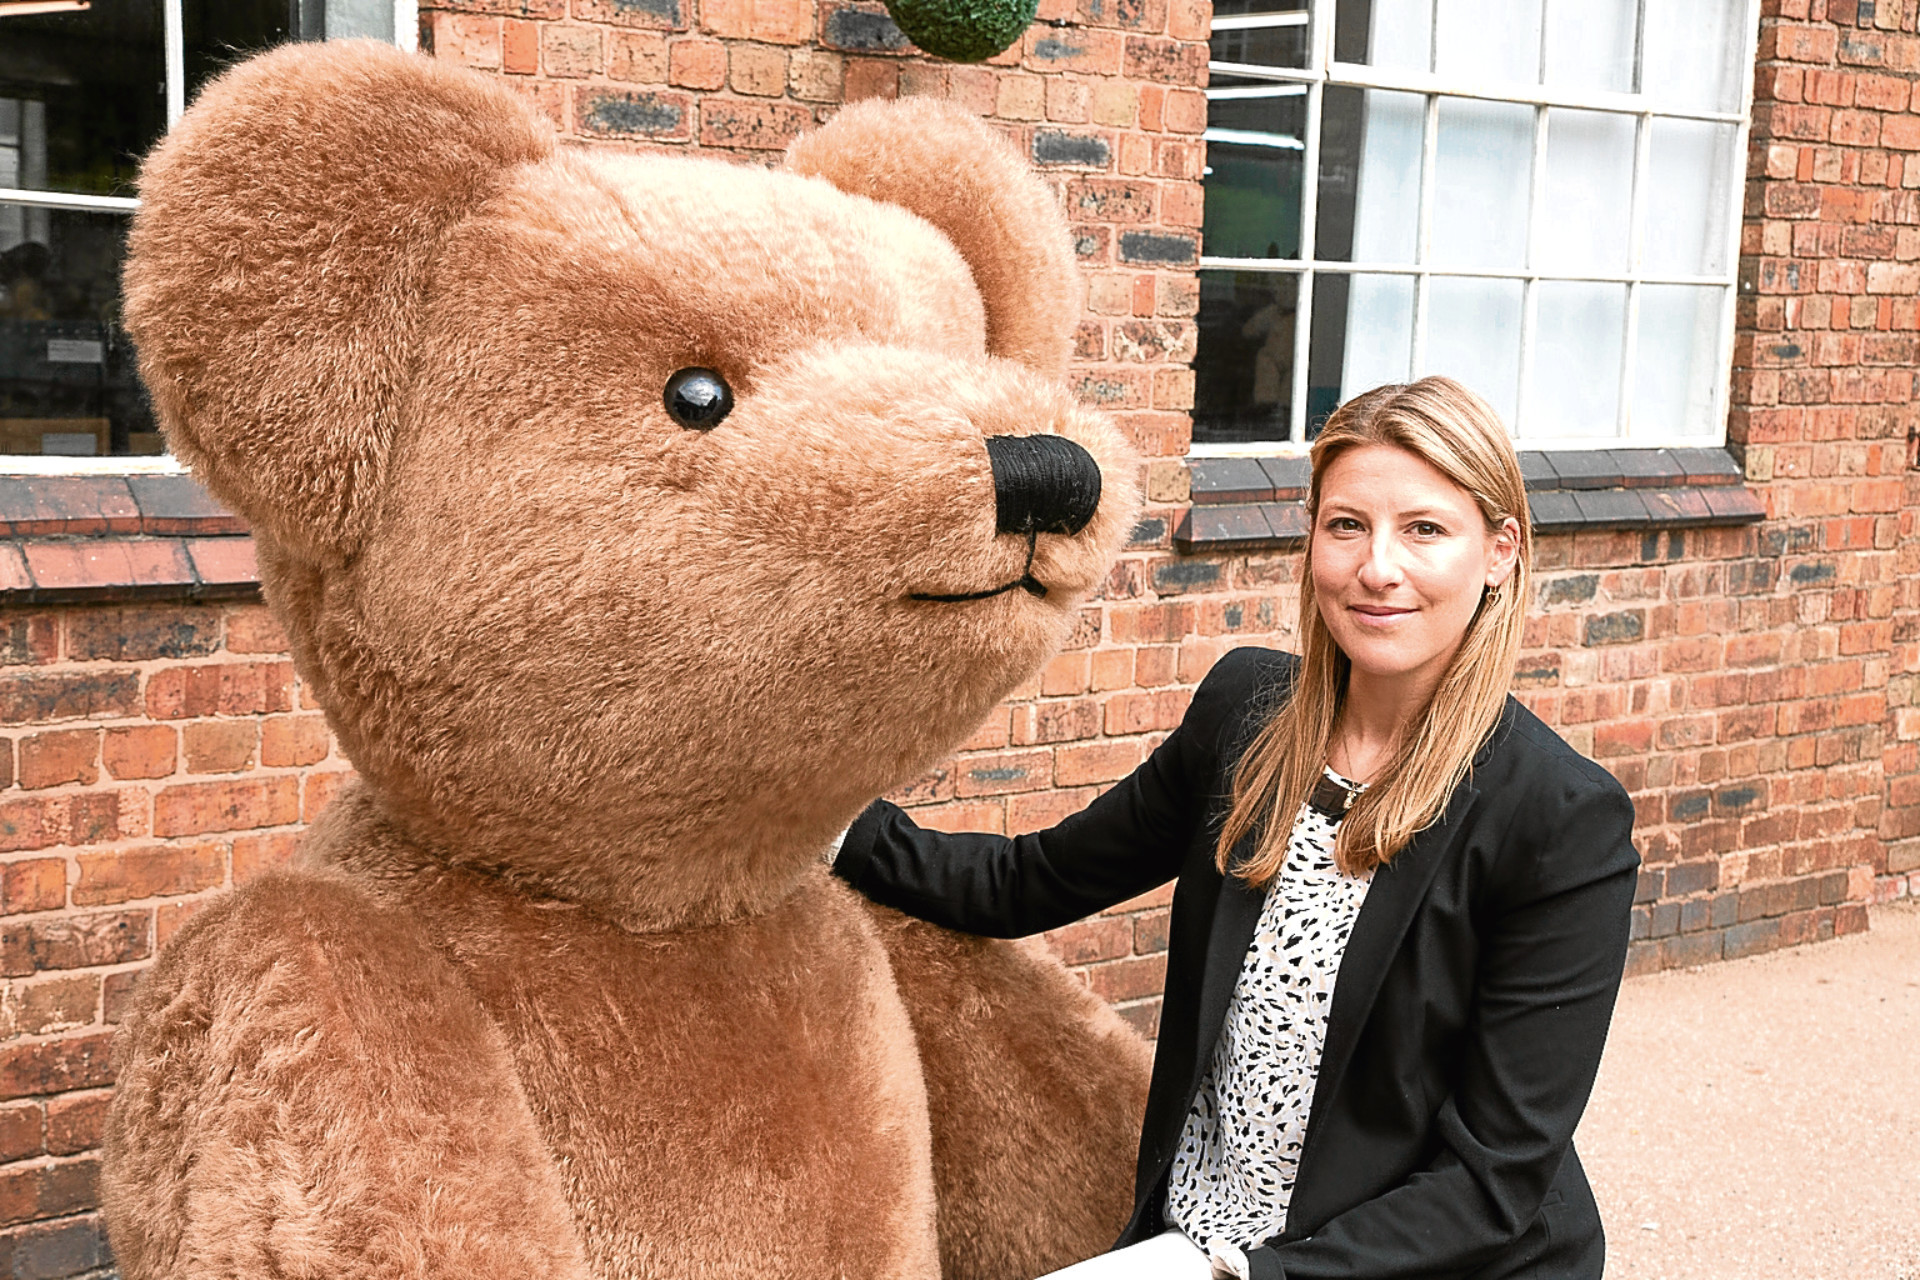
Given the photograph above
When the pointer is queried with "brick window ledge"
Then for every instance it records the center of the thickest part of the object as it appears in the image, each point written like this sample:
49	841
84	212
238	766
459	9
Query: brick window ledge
1244	504
80	539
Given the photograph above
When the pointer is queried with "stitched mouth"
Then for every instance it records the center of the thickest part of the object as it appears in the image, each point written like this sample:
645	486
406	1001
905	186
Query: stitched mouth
1025	582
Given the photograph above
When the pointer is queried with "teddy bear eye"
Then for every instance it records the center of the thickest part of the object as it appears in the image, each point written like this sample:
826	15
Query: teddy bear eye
698	398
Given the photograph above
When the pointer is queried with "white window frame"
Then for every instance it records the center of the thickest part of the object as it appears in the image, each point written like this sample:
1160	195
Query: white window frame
1322	71
406	35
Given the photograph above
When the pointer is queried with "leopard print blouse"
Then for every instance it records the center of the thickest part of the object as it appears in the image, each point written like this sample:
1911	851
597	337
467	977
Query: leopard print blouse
1233	1174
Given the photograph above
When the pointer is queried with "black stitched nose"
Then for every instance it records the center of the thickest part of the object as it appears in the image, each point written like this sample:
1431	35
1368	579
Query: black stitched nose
1042	484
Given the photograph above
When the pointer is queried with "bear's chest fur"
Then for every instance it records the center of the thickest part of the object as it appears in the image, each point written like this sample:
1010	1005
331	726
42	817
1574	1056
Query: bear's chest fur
721	1100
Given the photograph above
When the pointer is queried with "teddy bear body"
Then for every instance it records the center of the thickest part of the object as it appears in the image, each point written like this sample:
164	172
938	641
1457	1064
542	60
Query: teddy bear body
560	985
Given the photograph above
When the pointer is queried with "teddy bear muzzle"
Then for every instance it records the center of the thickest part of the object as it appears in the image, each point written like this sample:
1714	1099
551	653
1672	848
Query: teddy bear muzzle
1041	484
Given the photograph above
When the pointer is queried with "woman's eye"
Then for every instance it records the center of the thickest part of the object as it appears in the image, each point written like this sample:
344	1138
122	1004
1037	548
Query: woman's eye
1427	529
698	398
1343	524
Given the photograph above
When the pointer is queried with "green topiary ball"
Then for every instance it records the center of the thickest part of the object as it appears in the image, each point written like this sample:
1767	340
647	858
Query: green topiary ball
963	30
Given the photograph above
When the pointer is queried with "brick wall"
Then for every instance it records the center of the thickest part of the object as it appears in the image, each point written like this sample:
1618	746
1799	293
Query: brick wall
153	756
1757	689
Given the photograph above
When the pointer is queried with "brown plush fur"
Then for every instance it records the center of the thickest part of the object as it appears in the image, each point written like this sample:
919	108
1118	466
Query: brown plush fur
561	987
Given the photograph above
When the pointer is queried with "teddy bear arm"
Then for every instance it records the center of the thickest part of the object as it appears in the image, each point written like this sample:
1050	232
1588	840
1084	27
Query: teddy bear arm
306	1089
1035	1089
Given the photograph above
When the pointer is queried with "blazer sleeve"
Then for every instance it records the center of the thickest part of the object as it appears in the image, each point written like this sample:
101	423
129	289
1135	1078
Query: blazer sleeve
1552	949
1129	840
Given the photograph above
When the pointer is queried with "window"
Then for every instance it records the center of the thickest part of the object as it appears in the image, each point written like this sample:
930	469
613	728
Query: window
85	90
1538	197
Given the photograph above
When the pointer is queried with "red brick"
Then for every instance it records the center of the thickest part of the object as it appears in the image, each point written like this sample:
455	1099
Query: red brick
75	942
123	875
519	47
66	756
472	40
56	1066
60	1003
254	854
1096	762
289	741
1101	938
321	788
194	807
22	1130
219	746
140	751
757	126
74	1121
639	57
38	884
222	689
1038	810
663	17
1004	772
254	629
35	697
1130	979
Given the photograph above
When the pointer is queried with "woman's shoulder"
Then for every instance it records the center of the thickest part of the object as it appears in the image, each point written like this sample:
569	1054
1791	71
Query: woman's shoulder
1549	790
1524	752
1243	684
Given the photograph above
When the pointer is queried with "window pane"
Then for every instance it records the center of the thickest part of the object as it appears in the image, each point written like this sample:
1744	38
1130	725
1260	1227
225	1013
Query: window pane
1481	184
1574	380
1375	328
1694	54
1255	155
1267	33
1690	166
1590	45
1473	335
1588	192
1243	366
89	95
1677	373
1370	175
221	32
1490	41
68	384
1385	33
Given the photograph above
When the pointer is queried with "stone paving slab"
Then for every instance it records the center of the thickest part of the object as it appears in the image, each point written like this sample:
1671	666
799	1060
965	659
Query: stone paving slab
1760	1118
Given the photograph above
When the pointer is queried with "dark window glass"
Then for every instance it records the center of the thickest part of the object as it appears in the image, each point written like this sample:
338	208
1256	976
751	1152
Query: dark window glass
68	382
1267	33
220	32
94	83
1256	148
1243	368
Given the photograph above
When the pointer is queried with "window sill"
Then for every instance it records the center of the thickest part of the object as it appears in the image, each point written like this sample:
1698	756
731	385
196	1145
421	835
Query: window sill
1242	504
104	539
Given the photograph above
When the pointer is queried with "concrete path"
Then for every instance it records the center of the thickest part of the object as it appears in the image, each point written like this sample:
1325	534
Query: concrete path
1760	1118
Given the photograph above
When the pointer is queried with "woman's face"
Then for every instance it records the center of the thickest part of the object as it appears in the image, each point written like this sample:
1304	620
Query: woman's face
1401	555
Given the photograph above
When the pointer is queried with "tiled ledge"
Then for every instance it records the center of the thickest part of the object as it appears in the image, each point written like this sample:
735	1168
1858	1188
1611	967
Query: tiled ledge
1254	503
79	539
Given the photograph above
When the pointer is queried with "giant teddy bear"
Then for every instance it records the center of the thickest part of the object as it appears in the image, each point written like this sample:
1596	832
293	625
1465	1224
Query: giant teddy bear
636	520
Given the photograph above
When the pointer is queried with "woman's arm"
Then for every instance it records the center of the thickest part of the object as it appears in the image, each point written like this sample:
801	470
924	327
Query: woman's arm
1126	842
1550	961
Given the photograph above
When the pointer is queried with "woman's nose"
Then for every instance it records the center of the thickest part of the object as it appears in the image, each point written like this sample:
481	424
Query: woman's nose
1381	568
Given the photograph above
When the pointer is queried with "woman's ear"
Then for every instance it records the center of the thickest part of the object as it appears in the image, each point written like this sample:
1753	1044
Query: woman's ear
1503	553
967	180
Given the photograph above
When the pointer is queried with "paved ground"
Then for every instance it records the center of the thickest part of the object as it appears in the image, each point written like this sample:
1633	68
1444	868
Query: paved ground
1760	1118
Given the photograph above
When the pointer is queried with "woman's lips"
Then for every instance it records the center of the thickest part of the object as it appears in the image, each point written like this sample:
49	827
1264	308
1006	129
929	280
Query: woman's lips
1379	615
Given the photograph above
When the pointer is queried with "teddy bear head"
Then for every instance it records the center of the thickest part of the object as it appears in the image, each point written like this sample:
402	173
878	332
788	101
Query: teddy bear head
635	518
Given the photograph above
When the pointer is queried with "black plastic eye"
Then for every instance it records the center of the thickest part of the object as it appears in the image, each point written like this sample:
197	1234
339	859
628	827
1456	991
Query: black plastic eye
698	398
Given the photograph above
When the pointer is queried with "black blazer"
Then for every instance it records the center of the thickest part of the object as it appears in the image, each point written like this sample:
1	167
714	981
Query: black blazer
1467	1020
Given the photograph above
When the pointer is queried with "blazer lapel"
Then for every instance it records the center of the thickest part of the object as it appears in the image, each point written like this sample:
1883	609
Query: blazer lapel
1395	895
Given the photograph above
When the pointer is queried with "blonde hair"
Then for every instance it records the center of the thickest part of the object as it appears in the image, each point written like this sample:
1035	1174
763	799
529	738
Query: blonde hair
1459	435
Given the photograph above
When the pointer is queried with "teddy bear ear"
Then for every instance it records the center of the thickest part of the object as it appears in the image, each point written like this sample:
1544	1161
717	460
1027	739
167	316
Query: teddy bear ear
967	180
277	264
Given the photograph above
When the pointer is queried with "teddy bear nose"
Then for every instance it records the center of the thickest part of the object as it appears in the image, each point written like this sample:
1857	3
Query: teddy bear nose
1042	484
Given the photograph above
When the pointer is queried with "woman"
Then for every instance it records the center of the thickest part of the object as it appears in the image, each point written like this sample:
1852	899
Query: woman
1378	812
